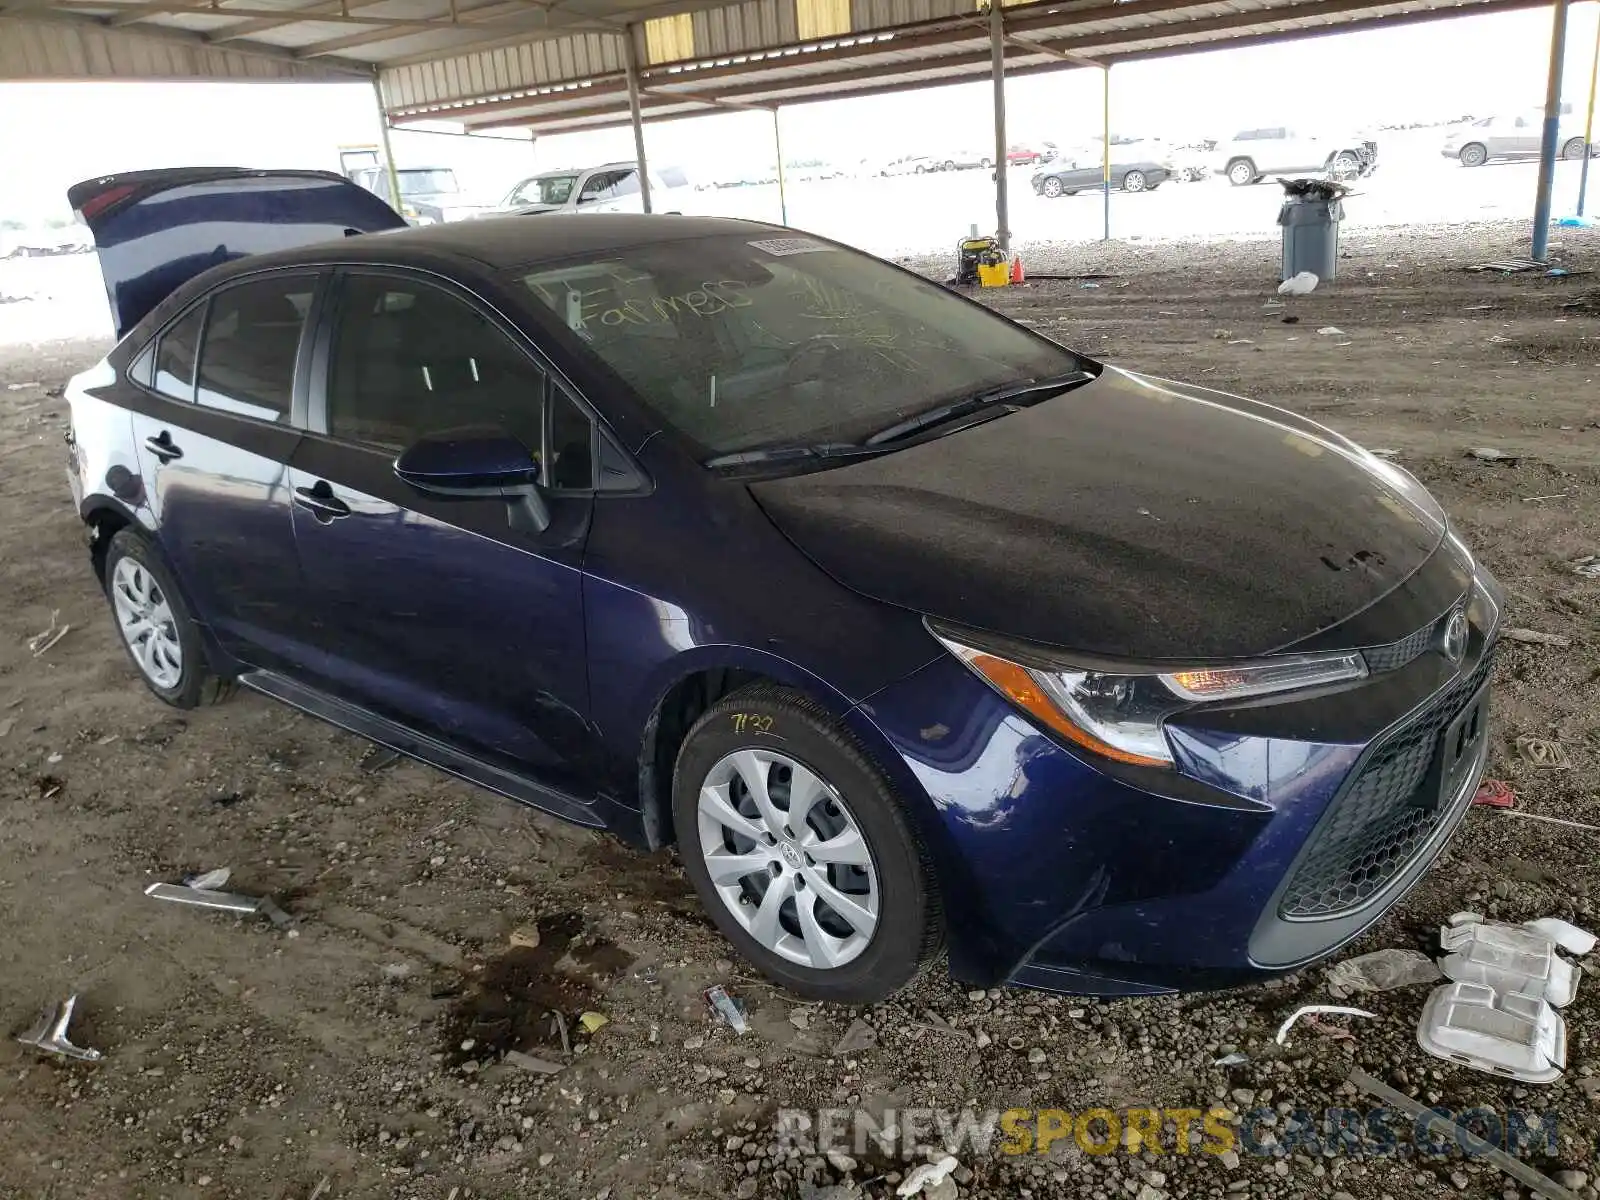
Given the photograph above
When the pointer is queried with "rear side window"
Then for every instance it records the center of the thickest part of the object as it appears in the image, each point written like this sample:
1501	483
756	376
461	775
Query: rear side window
251	343
410	360
175	355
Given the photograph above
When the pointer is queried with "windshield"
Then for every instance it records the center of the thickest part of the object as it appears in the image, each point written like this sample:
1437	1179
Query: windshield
743	343
429	181
547	189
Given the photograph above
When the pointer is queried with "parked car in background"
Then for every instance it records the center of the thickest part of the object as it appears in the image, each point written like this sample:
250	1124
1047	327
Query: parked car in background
428	195
1253	154
45	241
609	187
1021	155
1512	136
911	164
1076	171
462	491
964	160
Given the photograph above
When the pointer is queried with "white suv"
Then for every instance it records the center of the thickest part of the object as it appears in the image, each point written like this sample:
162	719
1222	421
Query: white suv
1252	154
611	187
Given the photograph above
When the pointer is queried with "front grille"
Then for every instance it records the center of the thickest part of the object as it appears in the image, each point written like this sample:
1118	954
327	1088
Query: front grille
1394	655
1375	829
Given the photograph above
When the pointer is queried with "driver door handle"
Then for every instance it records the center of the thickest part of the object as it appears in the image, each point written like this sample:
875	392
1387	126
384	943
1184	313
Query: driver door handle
320	502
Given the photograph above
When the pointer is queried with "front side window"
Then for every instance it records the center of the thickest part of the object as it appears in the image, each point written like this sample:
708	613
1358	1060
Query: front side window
175	355
753	340
607	185
252	339
428	181
546	189
410	360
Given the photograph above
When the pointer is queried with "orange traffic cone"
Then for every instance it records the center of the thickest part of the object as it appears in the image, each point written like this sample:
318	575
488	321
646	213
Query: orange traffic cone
1017	273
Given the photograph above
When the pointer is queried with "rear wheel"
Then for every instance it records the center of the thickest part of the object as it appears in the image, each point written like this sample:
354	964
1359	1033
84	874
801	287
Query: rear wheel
1344	165
799	850
1574	148
1473	154
986	163
950	166
1052	187
157	630
1241	171
1134	181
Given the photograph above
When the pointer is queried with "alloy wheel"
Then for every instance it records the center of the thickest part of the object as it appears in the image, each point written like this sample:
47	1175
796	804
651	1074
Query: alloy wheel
788	859
146	621
1345	165
1133	181
1473	155
1052	187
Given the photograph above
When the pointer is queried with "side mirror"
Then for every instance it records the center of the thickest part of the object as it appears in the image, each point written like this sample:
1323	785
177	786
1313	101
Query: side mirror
478	466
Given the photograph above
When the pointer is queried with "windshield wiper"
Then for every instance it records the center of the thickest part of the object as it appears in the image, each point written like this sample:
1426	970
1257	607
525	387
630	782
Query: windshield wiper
776	454
975	403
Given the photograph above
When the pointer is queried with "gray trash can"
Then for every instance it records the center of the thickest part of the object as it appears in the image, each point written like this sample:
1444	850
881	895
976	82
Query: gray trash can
1310	235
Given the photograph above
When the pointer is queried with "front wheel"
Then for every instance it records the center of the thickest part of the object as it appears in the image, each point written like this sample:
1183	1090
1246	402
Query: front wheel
157	630
800	851
1134	181
1574	148
1344	165
1473	154
985	163
1052	187
1241	171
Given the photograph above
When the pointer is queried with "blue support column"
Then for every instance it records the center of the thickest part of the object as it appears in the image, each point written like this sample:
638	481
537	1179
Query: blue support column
1552	125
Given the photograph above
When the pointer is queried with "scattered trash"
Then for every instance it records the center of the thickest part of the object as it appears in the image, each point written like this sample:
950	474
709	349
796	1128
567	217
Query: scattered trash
1383	971
209	880
245	906
559	1020
800	1018
528	1062
1222	335
1302	284
1480	307
378	758
592	1021
1528	816
526	936
1087	286
1533	637
1291	319
1241	342
1588	565
1490	454
1329	1030
1515	960
926	1176
22	387
1520	1036
1311	188
41	642
1384	452
1580	222
1542	752
726	1008
1494	793
1551	496
1331	331
938	1024
1509	266
860	1036
1283	1030
50	1034
324	1186
1231	1060
1557	272
1429	1121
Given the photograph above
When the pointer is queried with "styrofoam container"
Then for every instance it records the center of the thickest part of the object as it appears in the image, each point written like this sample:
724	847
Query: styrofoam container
1511	959
1521	1037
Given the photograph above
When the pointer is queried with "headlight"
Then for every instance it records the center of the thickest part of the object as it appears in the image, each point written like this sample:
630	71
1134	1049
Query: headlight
1118	715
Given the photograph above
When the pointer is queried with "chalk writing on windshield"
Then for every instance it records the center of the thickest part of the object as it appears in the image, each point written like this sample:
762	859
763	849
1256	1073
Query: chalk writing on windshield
622	301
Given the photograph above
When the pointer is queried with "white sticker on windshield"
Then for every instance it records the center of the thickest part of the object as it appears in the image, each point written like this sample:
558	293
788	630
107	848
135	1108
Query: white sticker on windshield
778	247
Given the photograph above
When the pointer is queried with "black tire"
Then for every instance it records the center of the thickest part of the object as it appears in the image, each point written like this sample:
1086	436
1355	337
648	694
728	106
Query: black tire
1473	154
196	685
910	928
1573	148
1242	172
986	163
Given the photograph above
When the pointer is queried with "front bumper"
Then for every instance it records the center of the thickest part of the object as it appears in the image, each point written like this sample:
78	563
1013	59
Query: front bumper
1265	852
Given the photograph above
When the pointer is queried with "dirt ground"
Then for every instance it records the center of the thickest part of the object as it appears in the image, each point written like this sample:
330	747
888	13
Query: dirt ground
359	1053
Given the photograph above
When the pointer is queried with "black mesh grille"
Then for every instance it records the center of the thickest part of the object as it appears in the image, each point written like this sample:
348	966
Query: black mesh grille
1375	828
1397	654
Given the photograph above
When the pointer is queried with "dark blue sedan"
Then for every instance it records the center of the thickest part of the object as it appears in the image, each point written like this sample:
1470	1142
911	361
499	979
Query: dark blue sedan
906	625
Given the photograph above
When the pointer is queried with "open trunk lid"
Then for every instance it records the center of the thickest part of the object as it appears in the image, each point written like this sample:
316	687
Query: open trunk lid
154	230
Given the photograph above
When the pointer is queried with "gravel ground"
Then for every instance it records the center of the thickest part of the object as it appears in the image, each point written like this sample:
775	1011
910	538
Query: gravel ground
360	1053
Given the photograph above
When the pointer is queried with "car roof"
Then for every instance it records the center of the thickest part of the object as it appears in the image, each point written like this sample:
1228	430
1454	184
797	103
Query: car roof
504	242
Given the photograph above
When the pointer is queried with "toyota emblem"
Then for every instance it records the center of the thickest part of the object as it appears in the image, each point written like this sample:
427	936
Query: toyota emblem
1454	644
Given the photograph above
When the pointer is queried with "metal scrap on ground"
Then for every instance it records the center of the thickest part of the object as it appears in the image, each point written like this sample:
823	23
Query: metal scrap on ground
244	906
50	1034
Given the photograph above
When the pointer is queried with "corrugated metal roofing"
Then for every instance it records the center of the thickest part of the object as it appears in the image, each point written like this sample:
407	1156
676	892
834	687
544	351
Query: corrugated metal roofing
559	64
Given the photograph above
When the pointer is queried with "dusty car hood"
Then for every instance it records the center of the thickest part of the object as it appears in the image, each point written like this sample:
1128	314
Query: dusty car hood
1130	518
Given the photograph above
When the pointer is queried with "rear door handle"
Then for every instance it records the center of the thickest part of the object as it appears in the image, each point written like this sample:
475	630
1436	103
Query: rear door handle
161	446
320	502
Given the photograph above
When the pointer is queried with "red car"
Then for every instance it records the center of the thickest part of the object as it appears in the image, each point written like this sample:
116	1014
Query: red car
1022	155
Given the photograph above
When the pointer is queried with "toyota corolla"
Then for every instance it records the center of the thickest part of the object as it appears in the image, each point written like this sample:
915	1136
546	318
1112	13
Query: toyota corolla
909	627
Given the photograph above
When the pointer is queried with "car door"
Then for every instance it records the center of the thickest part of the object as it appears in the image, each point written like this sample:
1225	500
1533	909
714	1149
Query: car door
434	611
1521	137
611	191
215	435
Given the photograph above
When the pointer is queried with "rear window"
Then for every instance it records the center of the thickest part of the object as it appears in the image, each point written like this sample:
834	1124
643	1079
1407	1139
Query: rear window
252	339
742	342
